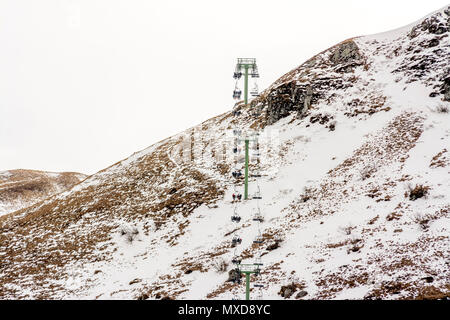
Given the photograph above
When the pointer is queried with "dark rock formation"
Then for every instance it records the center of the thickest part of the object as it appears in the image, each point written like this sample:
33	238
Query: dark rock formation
301	294
348	55
287	291
233	275
431	25
298	95
446	89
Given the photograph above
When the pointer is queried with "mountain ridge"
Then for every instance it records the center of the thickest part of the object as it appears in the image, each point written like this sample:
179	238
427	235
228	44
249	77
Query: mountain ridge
20	188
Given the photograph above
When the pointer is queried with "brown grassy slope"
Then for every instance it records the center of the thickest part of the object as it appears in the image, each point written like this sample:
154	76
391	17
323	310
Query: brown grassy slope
37	242
19	188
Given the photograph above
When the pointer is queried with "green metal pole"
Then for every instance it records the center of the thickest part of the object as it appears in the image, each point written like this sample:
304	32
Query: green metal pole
246	170
246	85
247	286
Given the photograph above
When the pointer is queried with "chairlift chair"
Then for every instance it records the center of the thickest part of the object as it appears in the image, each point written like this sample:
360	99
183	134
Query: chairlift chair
238	280
237	94
236	240
254	91
254	72
258	217
237	132
258	192
235	218
236	174
258	240
258	262
257	271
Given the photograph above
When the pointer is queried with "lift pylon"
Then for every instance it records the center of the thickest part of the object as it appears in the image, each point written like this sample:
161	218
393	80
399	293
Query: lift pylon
248	65
247	270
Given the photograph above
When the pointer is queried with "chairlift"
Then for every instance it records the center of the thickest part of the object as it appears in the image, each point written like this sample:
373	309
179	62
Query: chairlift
236	174
257	193
238	280
237	94
258	262
236	240
235	218
260	291
258	217
254	91
237	75
258	240
254	72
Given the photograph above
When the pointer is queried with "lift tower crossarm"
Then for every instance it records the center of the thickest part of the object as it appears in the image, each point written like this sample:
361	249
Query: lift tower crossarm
248	269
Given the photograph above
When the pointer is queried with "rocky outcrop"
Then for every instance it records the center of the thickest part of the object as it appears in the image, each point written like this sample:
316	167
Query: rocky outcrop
234	275
426	57
297	95
446	89
289	97
346	54
431	25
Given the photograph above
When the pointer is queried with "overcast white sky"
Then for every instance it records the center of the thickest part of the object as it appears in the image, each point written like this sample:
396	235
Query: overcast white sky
85	83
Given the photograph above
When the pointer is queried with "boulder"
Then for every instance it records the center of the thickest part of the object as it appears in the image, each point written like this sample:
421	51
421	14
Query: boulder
446	89
346	53
272	246
287	291
233	275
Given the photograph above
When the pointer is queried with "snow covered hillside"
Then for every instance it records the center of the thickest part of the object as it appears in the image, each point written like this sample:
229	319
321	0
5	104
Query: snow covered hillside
355	162
22	188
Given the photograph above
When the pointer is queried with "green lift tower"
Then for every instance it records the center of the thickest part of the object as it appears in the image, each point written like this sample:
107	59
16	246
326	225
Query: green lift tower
245	67
248	269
